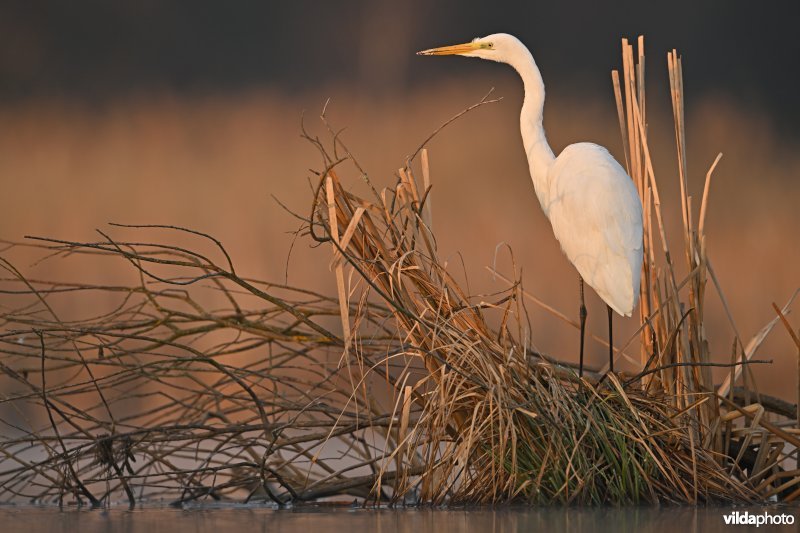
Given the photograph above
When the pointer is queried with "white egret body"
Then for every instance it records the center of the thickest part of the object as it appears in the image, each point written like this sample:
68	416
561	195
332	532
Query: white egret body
590	200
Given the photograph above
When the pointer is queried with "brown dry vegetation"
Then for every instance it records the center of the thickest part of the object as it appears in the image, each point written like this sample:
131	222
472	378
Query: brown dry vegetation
435	393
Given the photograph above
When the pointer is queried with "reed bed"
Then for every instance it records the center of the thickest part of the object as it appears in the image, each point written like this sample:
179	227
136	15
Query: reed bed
199	383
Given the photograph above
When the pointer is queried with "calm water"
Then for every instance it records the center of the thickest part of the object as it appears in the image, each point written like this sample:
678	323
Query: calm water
311	520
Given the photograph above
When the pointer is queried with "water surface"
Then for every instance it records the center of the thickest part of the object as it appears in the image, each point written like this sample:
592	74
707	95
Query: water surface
250	519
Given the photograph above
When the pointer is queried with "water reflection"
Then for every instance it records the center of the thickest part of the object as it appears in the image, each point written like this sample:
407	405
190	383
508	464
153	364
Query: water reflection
308	519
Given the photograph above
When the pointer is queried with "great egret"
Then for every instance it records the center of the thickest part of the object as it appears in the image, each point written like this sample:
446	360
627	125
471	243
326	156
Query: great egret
590	200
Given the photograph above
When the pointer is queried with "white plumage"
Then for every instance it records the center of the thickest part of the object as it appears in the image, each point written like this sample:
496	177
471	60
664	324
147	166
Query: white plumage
590	200
597	218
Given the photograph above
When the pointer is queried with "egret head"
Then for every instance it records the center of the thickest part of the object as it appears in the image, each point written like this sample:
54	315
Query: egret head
500	47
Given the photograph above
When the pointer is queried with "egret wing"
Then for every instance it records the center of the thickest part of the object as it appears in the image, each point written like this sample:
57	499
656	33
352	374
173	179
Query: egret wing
596	215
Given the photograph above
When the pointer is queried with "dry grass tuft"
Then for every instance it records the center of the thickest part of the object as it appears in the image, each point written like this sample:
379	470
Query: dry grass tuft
199	383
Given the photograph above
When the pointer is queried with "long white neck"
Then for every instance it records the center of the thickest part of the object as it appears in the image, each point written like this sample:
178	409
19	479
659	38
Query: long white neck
540	156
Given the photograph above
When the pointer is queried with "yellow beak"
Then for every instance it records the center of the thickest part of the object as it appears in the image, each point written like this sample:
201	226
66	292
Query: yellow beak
450	50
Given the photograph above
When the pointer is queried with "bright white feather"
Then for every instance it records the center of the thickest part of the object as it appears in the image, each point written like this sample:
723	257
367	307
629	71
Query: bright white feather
597	218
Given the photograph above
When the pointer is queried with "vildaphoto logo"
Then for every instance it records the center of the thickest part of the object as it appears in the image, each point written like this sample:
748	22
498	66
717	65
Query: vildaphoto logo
746	518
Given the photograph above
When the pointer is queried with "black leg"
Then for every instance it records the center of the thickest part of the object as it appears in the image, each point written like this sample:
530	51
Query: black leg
610	342
583	326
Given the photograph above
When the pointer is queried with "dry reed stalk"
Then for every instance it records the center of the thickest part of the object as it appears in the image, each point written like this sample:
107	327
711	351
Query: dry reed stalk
662	307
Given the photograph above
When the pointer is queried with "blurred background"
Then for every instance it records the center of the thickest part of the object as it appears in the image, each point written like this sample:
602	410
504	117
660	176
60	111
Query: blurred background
188	113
